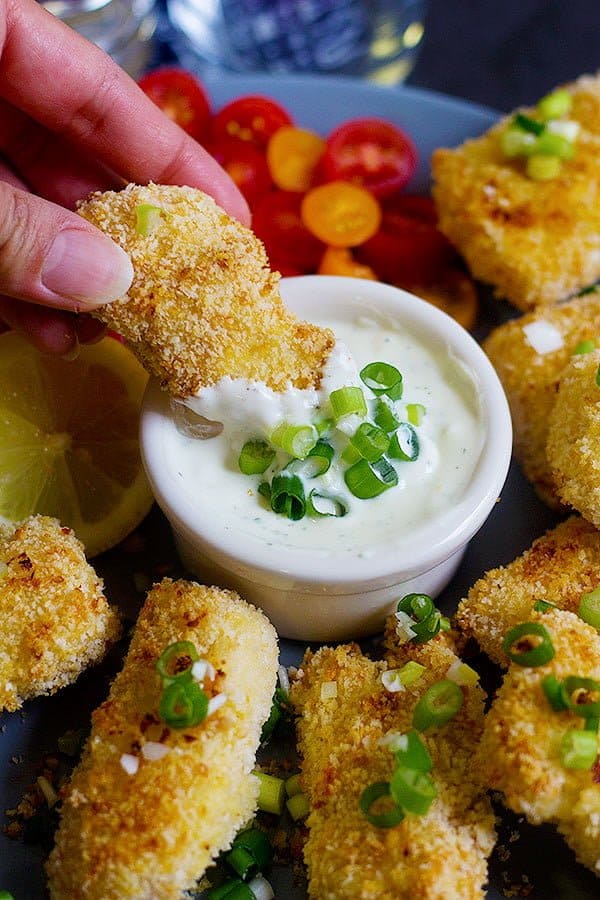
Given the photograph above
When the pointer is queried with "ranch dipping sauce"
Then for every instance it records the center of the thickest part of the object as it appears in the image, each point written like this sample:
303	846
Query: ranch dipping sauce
439	394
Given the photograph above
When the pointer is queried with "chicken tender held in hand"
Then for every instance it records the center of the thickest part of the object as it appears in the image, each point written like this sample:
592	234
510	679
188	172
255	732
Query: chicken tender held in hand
530	376
559	567
54	618
520	753
203	304
151	804
573	447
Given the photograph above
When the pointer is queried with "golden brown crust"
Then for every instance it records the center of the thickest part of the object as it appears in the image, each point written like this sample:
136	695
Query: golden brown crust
150	835
203	303
536	242
54	618
531	379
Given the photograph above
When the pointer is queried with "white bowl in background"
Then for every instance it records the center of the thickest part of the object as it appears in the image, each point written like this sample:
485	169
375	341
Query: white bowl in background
326	597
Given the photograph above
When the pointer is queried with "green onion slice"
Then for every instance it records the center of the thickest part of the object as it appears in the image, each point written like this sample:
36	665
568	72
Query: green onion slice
255	457
183	705
552	688
297	440
587	346
411	753
522	647
350	454
428	620
415	413
316	463
298	807
543	168
323	426
257	844
147	218
176	661
384	417
293	785
271	793
548	144
592	724
404	444
371	794
232	889
516	142
582	696
578	749
556	104
370	441
543	606
366	480
382	378
287	496
325	506
440	703
526	123
347	401
412	790
589	608
598	376
264	489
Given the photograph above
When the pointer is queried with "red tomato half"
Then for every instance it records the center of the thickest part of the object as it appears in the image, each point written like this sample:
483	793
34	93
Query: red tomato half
290	245
181	97
251	118
372	153
245	164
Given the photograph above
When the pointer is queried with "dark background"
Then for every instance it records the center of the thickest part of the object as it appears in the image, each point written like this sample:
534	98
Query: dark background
505	54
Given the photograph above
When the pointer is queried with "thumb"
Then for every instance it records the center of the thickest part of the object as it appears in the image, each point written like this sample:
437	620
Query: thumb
51	256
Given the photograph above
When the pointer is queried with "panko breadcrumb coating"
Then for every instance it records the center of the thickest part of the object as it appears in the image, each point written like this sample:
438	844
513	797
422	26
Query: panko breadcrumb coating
536	242
151	834
439	855
573	447
54	618
519	752
559	567
531	379
203	303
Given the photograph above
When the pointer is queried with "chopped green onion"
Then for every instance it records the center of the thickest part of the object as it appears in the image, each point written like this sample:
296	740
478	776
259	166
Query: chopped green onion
323	426
366	480
325	506
543	606
552	688
233	889
598	376
577	693
176	661
264	489
242	862
287	496
589	608
528	653
461	673
316	463
271	794
411	752
549	144
147	218
543	168
415	413
410	673
526	123
412	790
427	619
592	724
384	417
370	441
440	703
578	749
556	104
371	794
298	807
183	704
257	846
585	346
404	444
382	378
293	786
255	457
297	440
350	454
6	895
278	707
516	142
347	401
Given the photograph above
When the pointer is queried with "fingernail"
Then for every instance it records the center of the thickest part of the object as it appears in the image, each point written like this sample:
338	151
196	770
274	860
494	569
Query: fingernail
88	268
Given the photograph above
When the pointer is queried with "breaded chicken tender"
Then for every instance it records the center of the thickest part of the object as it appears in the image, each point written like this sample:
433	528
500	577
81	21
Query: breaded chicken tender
573	447
439	855
203	303
54	618
559	567
536	242
148	831
531	379
519	751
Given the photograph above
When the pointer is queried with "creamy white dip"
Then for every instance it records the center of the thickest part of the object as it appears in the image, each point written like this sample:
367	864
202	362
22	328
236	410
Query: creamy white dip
451	436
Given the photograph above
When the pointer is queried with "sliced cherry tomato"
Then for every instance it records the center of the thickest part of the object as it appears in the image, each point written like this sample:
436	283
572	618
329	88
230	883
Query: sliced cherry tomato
340	261
372	153
454	293
341	214
181	97
246	166
292	155
277	223
252	118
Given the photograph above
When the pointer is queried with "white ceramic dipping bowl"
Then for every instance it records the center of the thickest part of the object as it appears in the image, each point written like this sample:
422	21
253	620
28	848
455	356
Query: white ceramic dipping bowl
326	597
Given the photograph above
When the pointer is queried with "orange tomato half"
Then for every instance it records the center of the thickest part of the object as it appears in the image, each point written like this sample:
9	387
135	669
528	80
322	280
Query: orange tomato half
340	261
341	214
292	155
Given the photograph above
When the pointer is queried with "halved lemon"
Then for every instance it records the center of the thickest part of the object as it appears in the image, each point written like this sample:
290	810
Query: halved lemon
69	439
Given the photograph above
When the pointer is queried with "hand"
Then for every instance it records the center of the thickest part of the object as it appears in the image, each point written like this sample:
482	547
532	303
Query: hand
72	122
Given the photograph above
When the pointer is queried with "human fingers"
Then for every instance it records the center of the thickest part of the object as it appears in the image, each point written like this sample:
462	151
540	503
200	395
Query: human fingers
51	256
49	330
100	108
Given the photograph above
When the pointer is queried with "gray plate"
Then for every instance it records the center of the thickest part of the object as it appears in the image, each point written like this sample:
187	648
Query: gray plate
539	861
